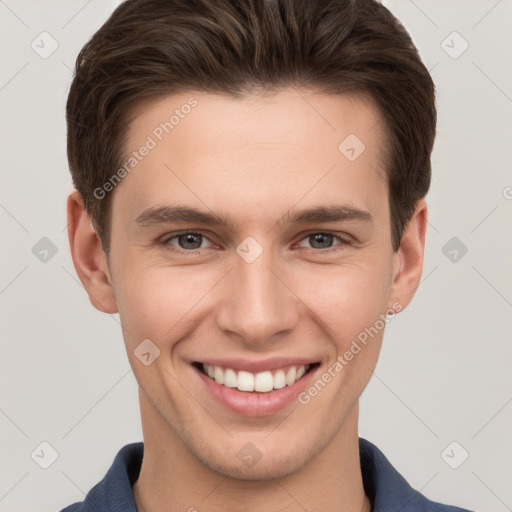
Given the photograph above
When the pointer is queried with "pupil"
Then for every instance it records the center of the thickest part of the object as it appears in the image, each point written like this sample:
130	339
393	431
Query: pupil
321	238
190	238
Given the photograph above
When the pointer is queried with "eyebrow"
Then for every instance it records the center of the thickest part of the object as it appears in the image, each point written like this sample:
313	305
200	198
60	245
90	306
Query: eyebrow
157	215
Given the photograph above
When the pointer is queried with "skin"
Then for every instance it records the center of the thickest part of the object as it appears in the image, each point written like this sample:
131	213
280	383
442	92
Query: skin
253	160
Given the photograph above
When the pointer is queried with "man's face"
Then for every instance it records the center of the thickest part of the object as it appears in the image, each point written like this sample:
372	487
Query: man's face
265	286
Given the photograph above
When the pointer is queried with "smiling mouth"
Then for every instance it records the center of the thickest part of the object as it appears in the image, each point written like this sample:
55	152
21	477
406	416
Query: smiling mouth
262	382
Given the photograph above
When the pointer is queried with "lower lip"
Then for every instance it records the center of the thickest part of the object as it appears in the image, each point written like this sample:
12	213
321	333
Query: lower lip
256	404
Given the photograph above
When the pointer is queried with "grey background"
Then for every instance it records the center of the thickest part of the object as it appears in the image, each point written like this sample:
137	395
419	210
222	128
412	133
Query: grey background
445	368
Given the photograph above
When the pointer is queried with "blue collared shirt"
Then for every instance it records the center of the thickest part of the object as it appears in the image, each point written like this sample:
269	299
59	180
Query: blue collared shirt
387	489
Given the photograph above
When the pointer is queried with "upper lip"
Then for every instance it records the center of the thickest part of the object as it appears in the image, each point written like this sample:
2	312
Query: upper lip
258	366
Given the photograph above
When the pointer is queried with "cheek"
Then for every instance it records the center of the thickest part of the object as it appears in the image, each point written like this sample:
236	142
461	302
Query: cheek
154	301
347	299
165	304
159	302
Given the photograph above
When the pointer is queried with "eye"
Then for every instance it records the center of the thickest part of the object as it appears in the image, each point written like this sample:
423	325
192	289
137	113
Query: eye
186	241
324	240
192	242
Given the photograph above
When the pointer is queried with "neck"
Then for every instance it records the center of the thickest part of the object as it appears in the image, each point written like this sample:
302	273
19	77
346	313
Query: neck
173	479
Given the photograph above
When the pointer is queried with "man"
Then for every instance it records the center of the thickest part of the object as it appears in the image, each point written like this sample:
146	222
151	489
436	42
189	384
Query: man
250	180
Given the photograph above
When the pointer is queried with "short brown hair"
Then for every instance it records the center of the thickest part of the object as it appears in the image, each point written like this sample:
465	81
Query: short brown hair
152	48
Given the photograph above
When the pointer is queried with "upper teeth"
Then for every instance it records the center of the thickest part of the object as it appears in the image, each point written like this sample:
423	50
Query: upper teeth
262	382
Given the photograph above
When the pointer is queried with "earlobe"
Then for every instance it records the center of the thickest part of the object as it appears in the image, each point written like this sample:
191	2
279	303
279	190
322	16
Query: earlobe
88	256
408	265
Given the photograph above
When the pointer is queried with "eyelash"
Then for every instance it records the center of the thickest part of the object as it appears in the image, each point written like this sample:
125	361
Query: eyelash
344	242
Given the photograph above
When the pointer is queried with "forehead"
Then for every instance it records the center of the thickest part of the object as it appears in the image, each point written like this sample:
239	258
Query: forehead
258	149
291	116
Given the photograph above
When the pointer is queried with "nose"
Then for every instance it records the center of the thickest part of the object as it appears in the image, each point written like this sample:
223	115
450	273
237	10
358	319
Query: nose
258	303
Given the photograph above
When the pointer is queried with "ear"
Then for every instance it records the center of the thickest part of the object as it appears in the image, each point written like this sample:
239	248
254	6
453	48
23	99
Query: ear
409	258
88	256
